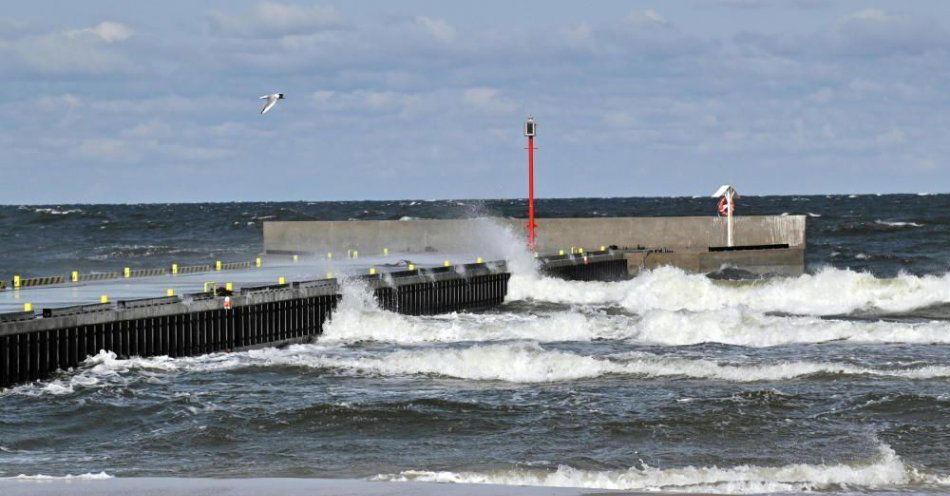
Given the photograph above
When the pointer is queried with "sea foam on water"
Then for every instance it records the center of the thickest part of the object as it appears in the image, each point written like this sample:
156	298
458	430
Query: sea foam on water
830	291
883	470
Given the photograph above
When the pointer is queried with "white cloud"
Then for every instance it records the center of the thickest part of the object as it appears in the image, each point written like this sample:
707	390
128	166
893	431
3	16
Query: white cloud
365	101
874	15
108	149
487	99
65	53
647	18
877	32
277	19
322	96
437	28
107	31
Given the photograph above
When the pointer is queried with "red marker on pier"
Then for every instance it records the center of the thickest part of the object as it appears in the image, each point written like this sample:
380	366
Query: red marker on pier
530	127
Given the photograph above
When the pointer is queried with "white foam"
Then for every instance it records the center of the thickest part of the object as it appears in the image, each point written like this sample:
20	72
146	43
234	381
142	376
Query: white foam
830	291
358	319
740	327
53	211
897	223
67	477
523	362
884	470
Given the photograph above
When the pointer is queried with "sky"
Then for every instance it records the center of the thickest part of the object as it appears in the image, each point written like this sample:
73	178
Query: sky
110	101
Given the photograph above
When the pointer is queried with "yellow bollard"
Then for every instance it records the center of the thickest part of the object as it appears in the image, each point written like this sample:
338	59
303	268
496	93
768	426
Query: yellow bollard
16	281
104	299
174	269
385	252
75	276
580	250
27	307
372	271
217	265
296	258
170	292
356	254
329	275
446	263
412	267
603	248
560	252
127	272
329	255
281	280
228	286
209	287
479	260
258	262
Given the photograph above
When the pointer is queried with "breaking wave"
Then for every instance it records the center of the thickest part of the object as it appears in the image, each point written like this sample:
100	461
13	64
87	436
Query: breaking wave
519	362
530	363
894	223
41	477
884	470
828	292
357	321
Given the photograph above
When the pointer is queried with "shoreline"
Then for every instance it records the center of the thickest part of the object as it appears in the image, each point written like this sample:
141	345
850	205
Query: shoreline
165	486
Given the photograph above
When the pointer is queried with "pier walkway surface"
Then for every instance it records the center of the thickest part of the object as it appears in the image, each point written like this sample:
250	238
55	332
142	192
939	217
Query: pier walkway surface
272	269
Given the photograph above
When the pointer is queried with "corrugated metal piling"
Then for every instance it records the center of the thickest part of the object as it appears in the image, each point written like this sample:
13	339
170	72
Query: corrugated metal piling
35	346
604	265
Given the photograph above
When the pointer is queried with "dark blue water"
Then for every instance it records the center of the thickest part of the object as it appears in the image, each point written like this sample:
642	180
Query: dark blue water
835	381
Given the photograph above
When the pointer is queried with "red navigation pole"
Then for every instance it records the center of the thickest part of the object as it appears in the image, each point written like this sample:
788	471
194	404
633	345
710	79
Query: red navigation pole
529	130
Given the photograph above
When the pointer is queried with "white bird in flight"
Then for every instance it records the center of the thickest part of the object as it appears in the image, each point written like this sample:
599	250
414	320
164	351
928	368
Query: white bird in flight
271	101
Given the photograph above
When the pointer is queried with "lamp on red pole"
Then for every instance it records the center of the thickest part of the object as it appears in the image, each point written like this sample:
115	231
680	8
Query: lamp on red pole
530	127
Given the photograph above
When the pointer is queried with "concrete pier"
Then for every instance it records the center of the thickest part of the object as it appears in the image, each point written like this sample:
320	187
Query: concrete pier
773	245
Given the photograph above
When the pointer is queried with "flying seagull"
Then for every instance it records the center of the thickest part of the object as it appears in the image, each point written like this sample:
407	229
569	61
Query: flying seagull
271	101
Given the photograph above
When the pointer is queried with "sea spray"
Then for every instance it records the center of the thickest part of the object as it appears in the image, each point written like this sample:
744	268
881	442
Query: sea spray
829	291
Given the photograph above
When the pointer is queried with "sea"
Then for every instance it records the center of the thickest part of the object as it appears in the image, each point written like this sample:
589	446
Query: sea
835	381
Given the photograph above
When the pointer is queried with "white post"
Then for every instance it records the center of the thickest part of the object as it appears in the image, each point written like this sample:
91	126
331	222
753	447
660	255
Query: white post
729	224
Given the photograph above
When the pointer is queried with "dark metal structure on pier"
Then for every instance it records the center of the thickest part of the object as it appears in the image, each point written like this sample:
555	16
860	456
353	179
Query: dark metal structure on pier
590	266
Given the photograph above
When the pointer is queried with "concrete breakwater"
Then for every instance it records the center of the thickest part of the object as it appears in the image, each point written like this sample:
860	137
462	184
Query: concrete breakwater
763	244
35	346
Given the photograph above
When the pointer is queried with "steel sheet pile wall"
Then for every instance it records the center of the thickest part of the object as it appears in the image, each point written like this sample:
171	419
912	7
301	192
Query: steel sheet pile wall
442	290
593	266
32	348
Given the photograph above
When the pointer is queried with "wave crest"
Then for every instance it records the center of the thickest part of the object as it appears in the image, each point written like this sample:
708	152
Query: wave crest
884	470
828	292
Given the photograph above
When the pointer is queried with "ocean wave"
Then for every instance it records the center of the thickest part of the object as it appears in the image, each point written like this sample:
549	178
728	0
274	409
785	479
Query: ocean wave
828	292
105	369
515	362
359	320
530	363
53	211
884	470
42	477
753	329
895	223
